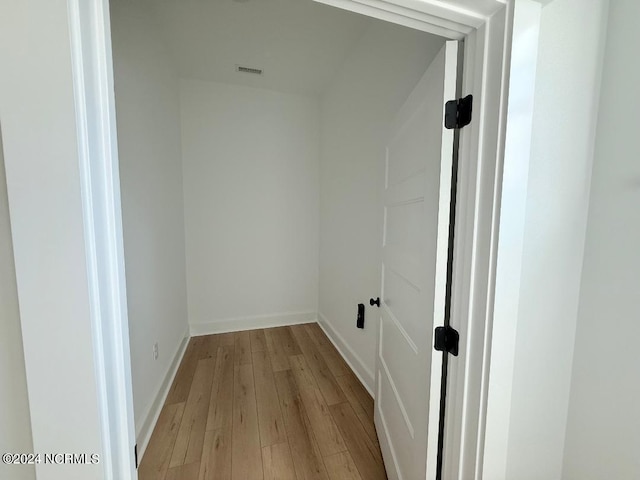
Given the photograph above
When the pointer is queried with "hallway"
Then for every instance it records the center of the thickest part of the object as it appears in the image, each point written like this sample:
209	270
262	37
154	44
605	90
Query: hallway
264	404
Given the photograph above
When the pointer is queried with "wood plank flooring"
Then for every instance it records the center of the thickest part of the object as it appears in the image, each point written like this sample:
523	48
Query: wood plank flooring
278	403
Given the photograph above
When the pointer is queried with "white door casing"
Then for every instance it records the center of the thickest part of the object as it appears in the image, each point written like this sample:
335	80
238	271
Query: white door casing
102	216
486	27
415	238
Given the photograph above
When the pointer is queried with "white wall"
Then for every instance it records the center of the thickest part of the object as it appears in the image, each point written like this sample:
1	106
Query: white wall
43	184
565	107
250	163
148	124
603	431
357	110
15	423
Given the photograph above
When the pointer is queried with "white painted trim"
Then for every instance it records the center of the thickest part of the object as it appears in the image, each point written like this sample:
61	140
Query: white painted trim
402	16
90	38
251	323
485	305
387	448
452	70
451	20
153	412
509	266
486	76
350	356
487	39
486	68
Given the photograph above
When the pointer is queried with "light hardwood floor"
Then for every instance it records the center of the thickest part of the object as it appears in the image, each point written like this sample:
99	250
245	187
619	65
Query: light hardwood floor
278	403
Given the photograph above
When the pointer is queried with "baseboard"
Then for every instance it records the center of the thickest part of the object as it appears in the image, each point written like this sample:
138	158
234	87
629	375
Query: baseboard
354	361
150	419
251	323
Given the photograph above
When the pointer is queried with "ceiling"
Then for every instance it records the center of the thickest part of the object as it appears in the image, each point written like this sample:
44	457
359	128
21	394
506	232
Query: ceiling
300	44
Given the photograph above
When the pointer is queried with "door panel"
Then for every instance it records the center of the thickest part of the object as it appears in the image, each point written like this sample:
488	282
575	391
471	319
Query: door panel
403	150
396	429
403	303
397	351
415	201
403	225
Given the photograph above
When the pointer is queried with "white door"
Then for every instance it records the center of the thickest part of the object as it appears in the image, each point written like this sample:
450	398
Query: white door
414	265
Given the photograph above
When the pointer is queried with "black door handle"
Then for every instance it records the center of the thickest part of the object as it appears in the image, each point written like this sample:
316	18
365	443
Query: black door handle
375	302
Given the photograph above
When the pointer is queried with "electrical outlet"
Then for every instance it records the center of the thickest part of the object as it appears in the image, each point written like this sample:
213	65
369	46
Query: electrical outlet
155	351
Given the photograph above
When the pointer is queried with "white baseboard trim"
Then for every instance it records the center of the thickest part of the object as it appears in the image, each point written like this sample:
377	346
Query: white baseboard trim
354	361
251	323
146	429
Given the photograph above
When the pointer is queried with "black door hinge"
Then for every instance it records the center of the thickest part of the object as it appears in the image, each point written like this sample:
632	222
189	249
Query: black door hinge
457	113
446	339
135	453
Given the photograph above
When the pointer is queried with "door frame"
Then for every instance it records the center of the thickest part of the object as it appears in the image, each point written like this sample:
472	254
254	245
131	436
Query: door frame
94	97
486	27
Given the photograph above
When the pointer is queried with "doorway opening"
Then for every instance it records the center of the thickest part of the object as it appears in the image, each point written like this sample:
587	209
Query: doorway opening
280	163
485	26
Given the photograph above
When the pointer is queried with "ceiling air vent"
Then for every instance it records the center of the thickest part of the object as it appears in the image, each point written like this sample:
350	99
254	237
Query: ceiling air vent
254	71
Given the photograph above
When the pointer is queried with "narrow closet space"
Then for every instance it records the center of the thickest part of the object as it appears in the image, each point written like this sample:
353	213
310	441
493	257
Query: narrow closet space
251	143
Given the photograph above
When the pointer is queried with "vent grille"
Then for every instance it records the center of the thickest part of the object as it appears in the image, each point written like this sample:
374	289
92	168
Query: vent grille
252	70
